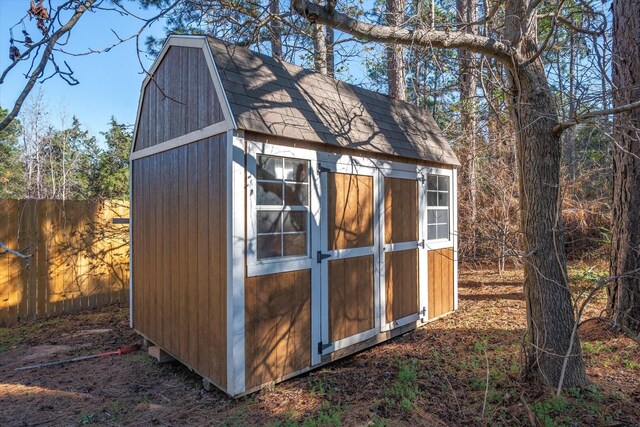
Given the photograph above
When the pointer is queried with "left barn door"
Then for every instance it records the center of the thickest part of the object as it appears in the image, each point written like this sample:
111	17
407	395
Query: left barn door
349	256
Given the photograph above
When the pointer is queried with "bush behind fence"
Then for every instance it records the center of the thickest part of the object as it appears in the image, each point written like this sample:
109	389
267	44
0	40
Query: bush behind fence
79	257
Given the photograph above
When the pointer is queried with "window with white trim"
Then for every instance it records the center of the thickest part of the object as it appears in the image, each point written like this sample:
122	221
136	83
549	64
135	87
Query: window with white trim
282	207
437	207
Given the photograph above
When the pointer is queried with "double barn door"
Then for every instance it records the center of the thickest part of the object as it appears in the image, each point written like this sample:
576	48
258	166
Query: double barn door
370	249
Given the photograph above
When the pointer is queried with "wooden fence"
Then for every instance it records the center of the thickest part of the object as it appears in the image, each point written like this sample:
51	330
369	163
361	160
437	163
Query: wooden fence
79	257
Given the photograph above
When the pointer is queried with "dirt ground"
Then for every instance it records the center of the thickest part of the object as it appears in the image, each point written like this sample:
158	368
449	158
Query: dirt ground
436	375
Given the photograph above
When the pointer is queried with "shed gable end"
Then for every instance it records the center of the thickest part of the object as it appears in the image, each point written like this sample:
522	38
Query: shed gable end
179	98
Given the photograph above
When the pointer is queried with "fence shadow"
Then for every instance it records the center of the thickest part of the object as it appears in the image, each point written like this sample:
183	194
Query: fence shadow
79	258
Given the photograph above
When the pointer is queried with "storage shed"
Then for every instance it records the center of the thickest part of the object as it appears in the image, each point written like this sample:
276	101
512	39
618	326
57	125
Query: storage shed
282	219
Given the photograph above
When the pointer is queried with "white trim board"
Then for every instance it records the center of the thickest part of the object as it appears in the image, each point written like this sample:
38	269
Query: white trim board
209	131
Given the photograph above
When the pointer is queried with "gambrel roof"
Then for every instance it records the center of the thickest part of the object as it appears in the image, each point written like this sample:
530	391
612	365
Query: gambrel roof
278	98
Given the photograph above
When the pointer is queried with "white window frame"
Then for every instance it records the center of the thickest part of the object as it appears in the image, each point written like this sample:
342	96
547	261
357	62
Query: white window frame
446	242
259	267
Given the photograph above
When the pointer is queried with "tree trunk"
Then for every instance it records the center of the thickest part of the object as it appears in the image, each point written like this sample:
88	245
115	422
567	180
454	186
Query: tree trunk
331	62
395	53
275	30
550	315
319	48
624	291
468	63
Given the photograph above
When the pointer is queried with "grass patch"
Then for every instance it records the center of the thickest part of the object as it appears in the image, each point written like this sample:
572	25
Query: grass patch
403	391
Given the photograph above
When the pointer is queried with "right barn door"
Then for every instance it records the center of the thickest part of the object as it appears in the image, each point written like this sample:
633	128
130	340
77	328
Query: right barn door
401	249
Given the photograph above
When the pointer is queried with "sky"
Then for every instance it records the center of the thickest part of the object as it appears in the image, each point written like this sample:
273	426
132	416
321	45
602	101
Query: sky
109	82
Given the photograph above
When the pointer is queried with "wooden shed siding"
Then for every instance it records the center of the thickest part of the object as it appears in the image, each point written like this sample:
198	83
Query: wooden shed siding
351	308
350	211
400	210
277	326
440	280
401	277
179	99
179	253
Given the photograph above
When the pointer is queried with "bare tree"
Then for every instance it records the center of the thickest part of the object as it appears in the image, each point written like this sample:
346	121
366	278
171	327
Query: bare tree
624	291
395	53
56	25
467	11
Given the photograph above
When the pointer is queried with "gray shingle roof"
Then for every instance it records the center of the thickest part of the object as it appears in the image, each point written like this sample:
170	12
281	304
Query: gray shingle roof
275	97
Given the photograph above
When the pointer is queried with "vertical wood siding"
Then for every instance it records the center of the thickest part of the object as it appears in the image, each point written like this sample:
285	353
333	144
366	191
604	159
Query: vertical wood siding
440	282
80	259
179	253
350	211
401	280
179	99
400	210
350	296
277	326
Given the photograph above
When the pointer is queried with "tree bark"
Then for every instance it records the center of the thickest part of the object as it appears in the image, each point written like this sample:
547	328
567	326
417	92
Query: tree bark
275	30
331	61
624	290
395	53
319	48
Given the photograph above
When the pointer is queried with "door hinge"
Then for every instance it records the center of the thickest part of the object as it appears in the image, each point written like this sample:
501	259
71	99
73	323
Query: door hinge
423	312
320	256
421	244
322	347
421	179
323	169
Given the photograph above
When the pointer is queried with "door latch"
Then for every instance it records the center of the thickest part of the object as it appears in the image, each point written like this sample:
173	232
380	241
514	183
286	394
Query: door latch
320	256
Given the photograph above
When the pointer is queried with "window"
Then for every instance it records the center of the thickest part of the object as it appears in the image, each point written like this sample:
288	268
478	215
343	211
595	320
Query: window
437	207
282	207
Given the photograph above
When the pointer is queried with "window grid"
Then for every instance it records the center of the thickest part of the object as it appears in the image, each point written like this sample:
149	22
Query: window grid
300	186
438	192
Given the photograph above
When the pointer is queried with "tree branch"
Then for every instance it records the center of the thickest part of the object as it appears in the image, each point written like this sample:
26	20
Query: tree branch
46	56
428	38
561	127
20	254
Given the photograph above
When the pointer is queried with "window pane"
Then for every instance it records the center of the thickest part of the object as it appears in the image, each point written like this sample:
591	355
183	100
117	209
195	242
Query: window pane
269	222
295	244
443	199
269	193
269	246
295	221
442	216
431	232
296	194
295	170
443	183
268	167
443	231
432	198
432	182
431	217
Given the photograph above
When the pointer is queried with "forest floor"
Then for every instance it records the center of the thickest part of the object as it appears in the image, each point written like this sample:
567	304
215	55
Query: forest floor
436	375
